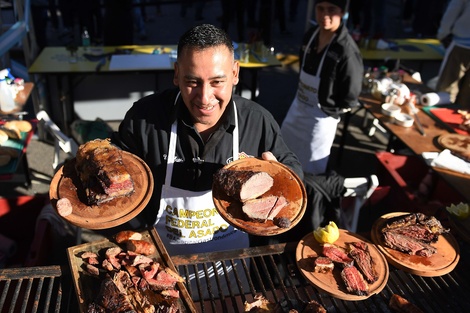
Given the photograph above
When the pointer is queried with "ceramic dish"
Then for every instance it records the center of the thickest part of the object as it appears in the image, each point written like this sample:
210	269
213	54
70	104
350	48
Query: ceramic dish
404	120
390	109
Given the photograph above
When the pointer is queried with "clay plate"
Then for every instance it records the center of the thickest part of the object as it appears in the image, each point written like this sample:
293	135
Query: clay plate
87	287
66	184
331	283
440	263
286	183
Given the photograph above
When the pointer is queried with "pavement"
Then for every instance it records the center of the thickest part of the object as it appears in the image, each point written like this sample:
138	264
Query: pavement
277	88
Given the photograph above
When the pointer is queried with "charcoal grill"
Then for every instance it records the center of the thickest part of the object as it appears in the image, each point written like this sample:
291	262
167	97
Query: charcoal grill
271	271
31	289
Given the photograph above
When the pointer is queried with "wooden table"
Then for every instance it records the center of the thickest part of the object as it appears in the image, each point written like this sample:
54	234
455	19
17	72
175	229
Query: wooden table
416	142
53	62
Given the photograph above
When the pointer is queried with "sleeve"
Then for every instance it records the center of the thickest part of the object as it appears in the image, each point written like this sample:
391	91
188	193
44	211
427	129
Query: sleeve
348	82
454	8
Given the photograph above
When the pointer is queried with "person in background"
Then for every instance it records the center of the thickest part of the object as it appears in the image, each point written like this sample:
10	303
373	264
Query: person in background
331	72
186	134
454	74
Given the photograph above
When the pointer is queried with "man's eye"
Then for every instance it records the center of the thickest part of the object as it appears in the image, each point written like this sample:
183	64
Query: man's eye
191	83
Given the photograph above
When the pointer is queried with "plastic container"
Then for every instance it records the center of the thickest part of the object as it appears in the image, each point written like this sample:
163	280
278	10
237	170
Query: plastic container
390	109
404	120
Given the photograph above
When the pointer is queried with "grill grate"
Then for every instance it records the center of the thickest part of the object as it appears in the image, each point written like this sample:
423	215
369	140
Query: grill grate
31	289
272	271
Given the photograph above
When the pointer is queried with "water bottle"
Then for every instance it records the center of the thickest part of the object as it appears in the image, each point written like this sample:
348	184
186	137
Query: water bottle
85	40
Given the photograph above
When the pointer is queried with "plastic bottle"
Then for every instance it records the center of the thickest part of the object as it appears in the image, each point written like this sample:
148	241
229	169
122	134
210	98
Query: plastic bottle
7	103
86	42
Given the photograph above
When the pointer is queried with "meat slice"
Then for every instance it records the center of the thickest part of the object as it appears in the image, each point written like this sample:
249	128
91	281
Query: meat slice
323	265
406	244
242	185
102	172
110	299
430	223
265	208
337	254
359	252
354	281
400	304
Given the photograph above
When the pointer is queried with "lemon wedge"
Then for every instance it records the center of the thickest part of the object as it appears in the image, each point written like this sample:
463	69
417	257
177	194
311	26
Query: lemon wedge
461	210
327	234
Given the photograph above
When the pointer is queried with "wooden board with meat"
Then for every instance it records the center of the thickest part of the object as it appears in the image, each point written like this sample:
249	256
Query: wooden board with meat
66	184
458	144
345	279
260	197
423	253
107	273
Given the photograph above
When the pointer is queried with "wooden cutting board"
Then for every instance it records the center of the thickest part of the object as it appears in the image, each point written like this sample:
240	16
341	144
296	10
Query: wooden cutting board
308	249
457	143
87	287
286	183
440	263
66	184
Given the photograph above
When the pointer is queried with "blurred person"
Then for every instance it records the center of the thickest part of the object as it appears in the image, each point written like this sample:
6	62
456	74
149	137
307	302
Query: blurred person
187	133
331	72
454	73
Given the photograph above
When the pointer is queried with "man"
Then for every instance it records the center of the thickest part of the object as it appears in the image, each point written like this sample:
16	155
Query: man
186	134
454	74
331	73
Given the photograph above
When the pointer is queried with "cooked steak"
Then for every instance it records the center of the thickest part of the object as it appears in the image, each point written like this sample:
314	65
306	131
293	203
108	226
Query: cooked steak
359	252
102	172
110	299
430	223
243	185
323	265
337	254
399	304
354	281
264	208
407	244
314	307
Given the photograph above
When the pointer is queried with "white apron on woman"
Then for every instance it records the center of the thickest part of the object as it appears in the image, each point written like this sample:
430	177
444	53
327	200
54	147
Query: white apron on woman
188	221
307	130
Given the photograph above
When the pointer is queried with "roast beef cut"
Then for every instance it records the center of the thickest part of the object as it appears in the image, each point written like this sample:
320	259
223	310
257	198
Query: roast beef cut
413	234
337	254
359	252
242	185
264	208
102	172
324	264
354	281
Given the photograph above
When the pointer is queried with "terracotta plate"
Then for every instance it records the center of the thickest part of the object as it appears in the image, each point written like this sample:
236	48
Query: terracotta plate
440	263
308	249
66	184
87	287
286	183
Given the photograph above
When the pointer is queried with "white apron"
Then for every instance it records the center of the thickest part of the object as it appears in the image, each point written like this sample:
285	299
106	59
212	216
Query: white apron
307	130
188	221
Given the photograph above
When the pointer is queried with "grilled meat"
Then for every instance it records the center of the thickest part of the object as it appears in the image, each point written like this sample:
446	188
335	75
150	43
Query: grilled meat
243	185
359	252
354	281
265	208
324	265
337	254
401	305
408	244
102	172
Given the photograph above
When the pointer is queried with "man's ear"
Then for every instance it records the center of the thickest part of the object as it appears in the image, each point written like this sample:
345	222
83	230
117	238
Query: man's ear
236	72
176	73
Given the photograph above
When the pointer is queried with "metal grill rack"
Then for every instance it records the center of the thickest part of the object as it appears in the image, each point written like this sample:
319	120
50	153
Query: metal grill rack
272	271
31	289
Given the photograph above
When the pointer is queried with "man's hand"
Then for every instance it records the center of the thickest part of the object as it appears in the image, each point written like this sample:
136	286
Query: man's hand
268	156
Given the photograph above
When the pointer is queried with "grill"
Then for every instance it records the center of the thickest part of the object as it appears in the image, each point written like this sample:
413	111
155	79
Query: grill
271	271
31	289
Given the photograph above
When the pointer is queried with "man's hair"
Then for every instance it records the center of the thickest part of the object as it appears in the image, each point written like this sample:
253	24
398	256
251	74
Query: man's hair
204	36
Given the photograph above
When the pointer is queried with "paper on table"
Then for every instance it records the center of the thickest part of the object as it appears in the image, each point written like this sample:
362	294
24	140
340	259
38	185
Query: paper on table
447	160
139	62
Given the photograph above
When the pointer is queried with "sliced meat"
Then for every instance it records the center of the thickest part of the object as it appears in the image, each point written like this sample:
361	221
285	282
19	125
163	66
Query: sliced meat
337	254
265	208
127	235
242	185
314	307
409	245
355	283
418	232
324	265
111	299
64	207
140	247
359	252
431	223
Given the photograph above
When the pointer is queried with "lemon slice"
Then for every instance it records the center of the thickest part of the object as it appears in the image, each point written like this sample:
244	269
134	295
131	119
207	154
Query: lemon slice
327	234
461	210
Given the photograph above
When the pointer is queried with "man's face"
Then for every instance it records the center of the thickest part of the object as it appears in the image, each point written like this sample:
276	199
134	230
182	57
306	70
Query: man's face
328	16
206	79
